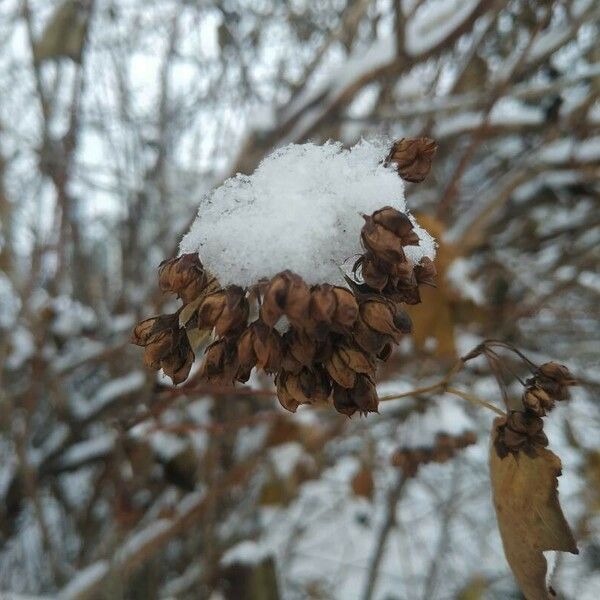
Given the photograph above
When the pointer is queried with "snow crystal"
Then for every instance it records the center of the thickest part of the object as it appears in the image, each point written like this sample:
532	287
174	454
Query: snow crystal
300	210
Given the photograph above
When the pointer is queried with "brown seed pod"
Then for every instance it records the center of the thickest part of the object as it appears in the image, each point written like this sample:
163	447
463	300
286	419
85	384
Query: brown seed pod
558	373
306	387
178	364
371	341
538	401
226	310
346	362
301	347
397	223
381	242
520	432
346	309
413	157
372	271
145	329
286	294
258	346
364	394
425	272
361	398
166	346
383	316
184	276
220	364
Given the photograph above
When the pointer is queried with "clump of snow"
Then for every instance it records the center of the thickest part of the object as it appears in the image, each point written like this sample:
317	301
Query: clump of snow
300	210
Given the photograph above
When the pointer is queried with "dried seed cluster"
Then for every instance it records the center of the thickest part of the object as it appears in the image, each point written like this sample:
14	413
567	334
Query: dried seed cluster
445	448
523	430
319	342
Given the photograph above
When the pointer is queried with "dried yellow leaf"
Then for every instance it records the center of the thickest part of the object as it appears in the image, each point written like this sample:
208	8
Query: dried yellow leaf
530	519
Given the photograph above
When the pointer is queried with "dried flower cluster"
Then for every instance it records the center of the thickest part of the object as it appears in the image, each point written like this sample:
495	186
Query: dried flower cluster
523	430
320	341
445	448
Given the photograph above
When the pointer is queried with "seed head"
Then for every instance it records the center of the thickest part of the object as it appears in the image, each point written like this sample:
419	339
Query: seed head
184	276
413	157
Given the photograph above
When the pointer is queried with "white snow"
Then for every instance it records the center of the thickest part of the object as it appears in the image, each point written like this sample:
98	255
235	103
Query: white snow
85	579
507	111
361	61
561	151
434	21
300	210
460	277
88	450
247	552
10	303
112	391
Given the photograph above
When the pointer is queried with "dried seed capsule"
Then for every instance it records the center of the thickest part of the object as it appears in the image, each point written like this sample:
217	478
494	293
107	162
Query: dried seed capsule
371	271
425	272
346	362
184	276
285	398
220	364
537	401
339	371
258	346
557	372
226	310
300	346
286	294
398	223
520	431
413	157
382	316
364	395
381	242
323	303
246	355
159	346
143	331
371	341
166	346
178	364
306	387
346	308
342	401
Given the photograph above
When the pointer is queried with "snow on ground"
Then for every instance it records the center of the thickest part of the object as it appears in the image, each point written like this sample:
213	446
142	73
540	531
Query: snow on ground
300	210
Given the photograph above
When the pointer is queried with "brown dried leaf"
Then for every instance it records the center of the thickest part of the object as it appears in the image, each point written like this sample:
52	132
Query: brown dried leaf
530	519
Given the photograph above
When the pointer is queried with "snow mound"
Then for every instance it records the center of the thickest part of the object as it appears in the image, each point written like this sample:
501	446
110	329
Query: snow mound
300	210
